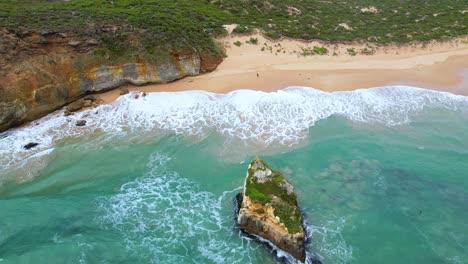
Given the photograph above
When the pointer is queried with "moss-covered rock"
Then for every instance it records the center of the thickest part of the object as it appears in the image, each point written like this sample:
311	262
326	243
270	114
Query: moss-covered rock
269	209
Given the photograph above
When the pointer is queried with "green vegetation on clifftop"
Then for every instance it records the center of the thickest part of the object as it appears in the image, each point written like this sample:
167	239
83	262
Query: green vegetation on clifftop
123	27
158	27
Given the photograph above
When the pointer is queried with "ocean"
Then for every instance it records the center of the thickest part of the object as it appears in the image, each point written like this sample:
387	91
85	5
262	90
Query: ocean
381	176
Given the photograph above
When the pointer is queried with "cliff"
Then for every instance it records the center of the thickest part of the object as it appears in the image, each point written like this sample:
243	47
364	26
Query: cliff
42	71
269	209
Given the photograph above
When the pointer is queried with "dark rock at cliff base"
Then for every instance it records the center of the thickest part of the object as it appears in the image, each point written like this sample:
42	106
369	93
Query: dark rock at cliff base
238	202
123	91
316	261
90	97
80	122
268	208
75	106
30	145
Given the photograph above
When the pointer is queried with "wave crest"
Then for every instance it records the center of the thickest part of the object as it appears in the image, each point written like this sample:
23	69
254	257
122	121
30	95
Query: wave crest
282	117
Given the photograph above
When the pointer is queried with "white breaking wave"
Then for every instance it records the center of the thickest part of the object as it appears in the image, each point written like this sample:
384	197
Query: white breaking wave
166	218
282	117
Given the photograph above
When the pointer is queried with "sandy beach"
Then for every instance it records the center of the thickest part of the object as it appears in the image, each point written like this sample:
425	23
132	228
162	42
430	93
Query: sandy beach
272	65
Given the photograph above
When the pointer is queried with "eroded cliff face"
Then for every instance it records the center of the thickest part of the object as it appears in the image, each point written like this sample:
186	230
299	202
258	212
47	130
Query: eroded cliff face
42	71
268	208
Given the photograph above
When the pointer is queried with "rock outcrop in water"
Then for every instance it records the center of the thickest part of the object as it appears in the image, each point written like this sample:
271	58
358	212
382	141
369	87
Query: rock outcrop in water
268	208
43	71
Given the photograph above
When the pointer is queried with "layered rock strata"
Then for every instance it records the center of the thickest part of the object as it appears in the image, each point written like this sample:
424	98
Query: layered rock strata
42	71
268	208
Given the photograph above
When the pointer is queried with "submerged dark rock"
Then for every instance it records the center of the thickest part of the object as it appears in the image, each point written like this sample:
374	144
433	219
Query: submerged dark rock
30	145
80	122
268	208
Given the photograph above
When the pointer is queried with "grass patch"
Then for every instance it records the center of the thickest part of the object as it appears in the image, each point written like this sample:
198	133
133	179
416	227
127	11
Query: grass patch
308	51
252	41
367	51
289	216
351	52
320	50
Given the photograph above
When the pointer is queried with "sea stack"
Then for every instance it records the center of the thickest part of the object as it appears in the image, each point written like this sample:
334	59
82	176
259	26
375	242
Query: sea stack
268	208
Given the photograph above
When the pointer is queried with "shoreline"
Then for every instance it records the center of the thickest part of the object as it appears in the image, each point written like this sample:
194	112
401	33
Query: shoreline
273	65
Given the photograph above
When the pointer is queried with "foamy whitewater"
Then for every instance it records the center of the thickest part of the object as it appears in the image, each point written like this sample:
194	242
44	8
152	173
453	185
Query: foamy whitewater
282	117
381	176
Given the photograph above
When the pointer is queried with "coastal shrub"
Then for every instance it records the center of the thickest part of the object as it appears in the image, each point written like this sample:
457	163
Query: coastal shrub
307	51
351	51
116	43
273	34
278	178
320	50
237	43
252	41
367	51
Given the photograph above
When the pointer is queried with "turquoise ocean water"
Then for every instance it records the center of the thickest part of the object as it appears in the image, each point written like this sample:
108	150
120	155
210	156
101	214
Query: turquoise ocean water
381	176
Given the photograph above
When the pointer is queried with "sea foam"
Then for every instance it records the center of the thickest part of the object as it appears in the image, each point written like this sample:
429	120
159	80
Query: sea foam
166	218
283	117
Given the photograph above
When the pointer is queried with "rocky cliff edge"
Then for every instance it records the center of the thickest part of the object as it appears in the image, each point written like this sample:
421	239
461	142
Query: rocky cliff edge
42	71
269	209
